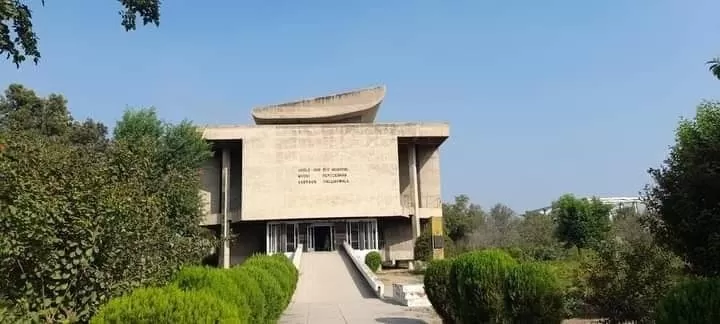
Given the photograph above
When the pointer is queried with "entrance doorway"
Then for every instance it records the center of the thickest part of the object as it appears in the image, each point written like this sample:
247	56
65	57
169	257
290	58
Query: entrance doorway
321	237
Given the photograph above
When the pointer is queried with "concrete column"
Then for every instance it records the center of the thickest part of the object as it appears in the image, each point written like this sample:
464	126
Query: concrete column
225	226
415	218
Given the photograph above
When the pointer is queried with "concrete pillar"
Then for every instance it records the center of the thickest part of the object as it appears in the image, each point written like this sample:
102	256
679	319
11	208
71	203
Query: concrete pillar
225	209
415	218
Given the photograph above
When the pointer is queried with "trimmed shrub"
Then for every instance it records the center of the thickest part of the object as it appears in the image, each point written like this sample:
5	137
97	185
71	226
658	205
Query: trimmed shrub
373	260
167	305
274	295
291	268
278	269
534	295
438	289
477	280
692	302
255	296
216	282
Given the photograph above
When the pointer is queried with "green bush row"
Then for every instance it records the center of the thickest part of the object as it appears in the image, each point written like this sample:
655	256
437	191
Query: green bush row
257	291
490	286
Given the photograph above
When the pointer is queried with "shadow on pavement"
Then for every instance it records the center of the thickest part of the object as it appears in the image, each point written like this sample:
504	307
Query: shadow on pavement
399	320
357	278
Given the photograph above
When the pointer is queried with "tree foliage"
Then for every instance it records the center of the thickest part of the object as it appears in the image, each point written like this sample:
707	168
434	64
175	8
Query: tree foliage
85	218
581	222
18	40
714	67
683	201
461	217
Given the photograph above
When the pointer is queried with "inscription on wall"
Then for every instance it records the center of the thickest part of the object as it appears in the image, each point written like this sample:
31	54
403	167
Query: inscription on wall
322	175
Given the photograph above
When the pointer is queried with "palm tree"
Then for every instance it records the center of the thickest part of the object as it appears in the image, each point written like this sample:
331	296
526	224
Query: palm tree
714	66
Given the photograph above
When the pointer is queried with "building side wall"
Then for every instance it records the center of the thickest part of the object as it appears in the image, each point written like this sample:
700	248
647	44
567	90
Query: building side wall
429	180
210	185
398	240
249	238
404	176
320	171
235	197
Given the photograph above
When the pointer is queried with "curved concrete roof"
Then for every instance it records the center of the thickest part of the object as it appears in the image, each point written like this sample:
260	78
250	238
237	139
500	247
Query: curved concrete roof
357	106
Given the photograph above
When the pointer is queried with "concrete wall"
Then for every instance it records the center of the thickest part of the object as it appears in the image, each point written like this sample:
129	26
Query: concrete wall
406	195
210	184
361	161
397	234
354	170
429	176
251	239
235	180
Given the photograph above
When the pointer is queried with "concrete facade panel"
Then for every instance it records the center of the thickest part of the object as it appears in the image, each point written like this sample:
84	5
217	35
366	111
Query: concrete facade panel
399	243
319	172
210	185
429	176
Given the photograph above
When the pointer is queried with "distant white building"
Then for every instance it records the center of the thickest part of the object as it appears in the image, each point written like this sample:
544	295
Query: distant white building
617	202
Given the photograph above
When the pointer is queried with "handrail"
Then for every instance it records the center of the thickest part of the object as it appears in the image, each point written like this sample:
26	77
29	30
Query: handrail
375	284
297	256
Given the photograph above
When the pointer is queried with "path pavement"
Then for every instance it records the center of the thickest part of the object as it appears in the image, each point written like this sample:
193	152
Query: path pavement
332	291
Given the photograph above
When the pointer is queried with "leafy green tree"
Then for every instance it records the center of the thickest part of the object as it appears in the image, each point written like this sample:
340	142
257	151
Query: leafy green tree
683	201
19	42
714	67
83	223
499	229
537	229
22	111
581	222
176	153
461	217
627	225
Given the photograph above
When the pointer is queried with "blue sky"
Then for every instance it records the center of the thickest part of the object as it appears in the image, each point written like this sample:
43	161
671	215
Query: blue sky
543	97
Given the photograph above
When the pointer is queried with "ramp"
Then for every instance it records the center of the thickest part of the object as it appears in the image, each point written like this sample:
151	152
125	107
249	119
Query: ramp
332	291
330	277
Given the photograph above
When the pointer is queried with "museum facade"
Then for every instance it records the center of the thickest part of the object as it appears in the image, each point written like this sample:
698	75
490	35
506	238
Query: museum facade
321	171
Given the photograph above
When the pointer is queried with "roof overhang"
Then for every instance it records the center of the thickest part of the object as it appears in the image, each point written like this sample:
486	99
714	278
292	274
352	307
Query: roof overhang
357	106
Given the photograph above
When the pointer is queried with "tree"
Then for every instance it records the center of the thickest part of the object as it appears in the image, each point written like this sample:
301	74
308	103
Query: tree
714	66
461	217
19	42
683	201
176	153
22	111
537	229
628	226
498	230
83	223
581	222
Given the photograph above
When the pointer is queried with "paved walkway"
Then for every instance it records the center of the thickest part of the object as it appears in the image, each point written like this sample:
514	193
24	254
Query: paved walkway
332	291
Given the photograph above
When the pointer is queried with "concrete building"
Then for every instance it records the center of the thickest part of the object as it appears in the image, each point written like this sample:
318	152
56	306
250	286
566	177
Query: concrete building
321	171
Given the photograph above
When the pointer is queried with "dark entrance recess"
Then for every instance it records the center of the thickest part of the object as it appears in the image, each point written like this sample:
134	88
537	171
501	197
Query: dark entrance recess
322	238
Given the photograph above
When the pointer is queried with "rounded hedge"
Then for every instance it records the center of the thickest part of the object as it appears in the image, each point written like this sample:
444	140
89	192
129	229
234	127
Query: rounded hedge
692	302
477	280
167	305
295	274
255	296
278	270
534	294
438	289
214	281
274	294
373	260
